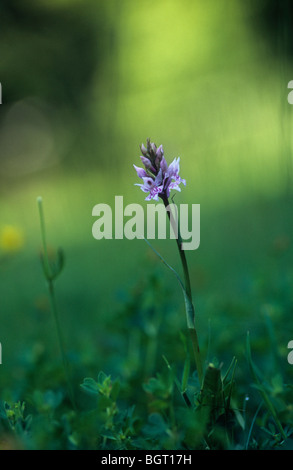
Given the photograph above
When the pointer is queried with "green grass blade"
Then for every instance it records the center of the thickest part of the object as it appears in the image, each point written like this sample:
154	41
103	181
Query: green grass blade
262	391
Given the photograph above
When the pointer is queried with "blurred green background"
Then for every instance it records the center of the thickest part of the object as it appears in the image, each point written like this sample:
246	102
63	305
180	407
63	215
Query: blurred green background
84	83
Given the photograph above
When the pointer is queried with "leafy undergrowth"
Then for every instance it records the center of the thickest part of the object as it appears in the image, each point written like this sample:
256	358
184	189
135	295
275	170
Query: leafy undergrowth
132	379
150	397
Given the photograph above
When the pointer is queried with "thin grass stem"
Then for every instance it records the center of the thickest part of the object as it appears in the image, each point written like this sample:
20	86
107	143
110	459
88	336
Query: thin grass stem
50	277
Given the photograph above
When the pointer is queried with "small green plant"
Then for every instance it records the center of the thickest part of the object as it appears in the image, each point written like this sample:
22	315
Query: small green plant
116	426
14	425
52	269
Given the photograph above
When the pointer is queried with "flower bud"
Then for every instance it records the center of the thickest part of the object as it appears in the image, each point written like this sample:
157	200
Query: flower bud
160	152
149	149
141	173
147	163
163	165
143	150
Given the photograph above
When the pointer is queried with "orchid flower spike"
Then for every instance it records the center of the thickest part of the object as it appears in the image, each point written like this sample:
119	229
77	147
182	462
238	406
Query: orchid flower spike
158	178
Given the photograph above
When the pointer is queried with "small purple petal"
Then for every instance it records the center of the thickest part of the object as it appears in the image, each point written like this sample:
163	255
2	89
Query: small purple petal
143	149
159	153
164	165
147	163
159	178
148	182
142	187
174	168
140	171
174	186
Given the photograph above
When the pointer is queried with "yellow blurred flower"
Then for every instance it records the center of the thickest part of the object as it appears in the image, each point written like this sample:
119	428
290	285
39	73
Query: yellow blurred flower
11	238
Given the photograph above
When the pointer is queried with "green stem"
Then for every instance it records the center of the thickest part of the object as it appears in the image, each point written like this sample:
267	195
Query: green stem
47	268
61	341
189	307
50	282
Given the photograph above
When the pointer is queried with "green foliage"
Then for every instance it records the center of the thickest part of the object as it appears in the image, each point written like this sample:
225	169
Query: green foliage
76	113
14	425
161	406
148	394
115	425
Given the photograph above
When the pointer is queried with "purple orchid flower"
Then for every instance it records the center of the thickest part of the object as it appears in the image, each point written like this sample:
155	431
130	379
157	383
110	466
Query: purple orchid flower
158	178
